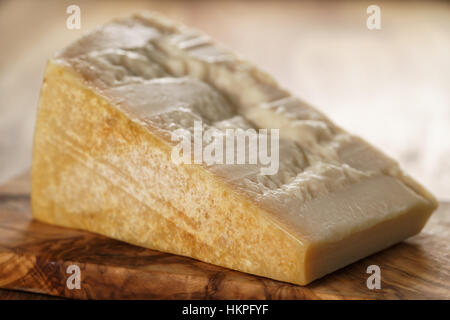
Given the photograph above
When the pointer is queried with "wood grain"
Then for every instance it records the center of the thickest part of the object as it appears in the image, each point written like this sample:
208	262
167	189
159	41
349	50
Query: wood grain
21	295
34	257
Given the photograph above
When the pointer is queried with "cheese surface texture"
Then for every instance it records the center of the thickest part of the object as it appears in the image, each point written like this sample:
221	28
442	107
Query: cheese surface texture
109	105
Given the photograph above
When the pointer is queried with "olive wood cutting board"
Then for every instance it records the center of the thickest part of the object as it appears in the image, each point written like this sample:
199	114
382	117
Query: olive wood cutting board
35	257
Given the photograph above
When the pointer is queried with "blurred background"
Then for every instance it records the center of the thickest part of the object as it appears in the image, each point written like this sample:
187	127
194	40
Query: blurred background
391	86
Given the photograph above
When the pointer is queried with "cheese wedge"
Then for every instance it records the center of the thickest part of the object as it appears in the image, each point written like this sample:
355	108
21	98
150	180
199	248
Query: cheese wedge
109	105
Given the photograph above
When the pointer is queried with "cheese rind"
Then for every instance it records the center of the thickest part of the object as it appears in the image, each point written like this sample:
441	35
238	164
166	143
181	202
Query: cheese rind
102	147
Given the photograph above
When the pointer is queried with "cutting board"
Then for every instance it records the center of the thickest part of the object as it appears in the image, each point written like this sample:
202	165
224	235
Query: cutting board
36	257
